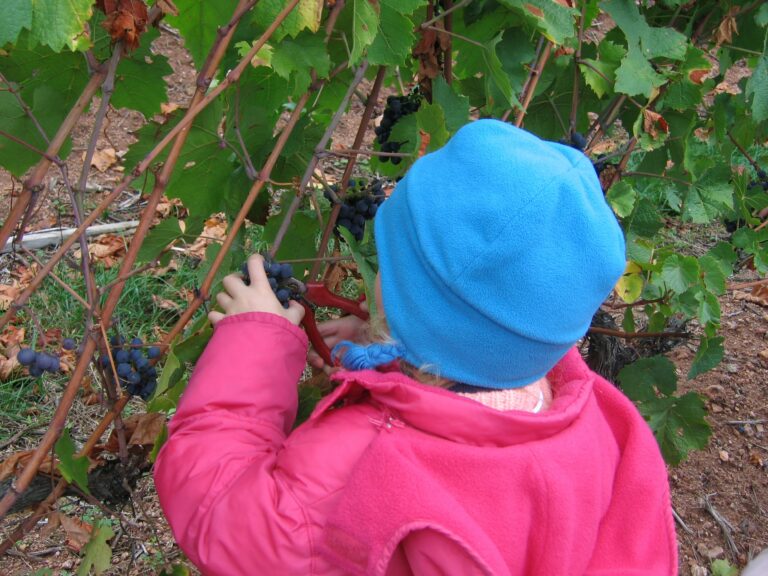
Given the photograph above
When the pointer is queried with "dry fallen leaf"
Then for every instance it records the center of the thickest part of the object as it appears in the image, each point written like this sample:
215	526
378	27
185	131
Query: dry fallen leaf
54	521
103	159
653	122
168	108
78	532
8	293
16	462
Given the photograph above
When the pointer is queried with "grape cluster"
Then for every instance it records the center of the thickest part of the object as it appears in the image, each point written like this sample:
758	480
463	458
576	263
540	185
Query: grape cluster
281	280
761	182
38	362
361	204
397	107
576	140
136	373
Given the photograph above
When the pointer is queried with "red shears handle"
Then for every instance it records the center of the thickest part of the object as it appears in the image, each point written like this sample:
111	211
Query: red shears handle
317	294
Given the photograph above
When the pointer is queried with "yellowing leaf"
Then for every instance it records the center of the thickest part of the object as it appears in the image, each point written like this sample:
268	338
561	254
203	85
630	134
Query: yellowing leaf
630	285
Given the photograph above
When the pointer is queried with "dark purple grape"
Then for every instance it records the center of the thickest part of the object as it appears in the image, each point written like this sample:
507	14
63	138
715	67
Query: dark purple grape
68	344
43	361
124	370
134	378
153	352
141	364
134	355
26	356
122	356
117	340
273	284
136	342
35	371
283	294
55	364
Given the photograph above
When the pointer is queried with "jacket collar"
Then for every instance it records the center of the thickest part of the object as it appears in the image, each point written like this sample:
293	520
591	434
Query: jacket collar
444	414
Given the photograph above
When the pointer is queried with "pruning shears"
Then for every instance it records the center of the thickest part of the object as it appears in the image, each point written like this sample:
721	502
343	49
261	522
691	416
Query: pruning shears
318	294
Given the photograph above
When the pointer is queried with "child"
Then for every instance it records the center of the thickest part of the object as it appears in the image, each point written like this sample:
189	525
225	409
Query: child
494	253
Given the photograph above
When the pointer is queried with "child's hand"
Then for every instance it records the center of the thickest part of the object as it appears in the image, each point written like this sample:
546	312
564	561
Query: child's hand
334	331
238	298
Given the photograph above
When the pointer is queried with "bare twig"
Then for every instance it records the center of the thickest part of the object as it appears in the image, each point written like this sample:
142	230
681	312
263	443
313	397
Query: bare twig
312	165
534	77
725	526
450	10
681	522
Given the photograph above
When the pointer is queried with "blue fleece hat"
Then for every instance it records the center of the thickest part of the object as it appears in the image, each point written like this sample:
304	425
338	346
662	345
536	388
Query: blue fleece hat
494	252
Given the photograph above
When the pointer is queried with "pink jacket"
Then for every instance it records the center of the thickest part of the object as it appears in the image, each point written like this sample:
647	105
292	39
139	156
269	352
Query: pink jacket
391	477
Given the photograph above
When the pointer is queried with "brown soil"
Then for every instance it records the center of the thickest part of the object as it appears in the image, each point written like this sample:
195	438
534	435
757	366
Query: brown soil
730	475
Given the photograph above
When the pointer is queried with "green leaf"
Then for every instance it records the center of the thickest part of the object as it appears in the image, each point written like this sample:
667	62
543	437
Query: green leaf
159	442
97	554
300	240
599	75
644	220
51	23
554	21
678	424
404	6
455	106
140	78
714	278
50	84
365	24
708	200
306	15
158	238
622	196
394	41
168	391
367	265
709	355
198	22
72	469
430	119
757	89
761	17
709	308
176	570
655	42
680	272
723	567
295	58
636	76
17	14
640	378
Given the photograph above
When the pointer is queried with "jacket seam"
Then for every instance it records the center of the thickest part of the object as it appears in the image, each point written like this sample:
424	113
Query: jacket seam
545	545
306	525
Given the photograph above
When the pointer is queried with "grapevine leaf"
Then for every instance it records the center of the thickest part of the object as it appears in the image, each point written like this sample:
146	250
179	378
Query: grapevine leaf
51	23
198	22
639	379
622	196
723	567
395	38
158	238
309	396
159	442
17	14
709	355
628	322
709	308
365	23
636	76
725	256
140	76
757	89
656	42
430	119
630	285
644	220
97	554
553	20
761	17
680	272
404	6
72	468
295	58
707	201
599	75
299	242
366	265
50	84
678	424
306	15
455	107
714	278
168	389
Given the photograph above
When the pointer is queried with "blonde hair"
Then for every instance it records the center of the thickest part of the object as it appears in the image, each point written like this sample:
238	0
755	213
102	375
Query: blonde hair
378	333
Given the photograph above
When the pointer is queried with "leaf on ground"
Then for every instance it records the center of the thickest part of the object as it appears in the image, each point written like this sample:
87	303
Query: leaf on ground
97	553
74	469
78	532
103	159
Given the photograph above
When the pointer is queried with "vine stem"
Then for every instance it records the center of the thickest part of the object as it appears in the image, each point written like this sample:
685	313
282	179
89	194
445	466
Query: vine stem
312	165
448	11
29	146
632	335
68	396
142	167
576	76
43	508
743	150
25	107
358	142
534	80
32	185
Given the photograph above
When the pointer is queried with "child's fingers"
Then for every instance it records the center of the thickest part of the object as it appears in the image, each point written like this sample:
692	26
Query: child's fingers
223	299
215	316
256	271
294	312
233	284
